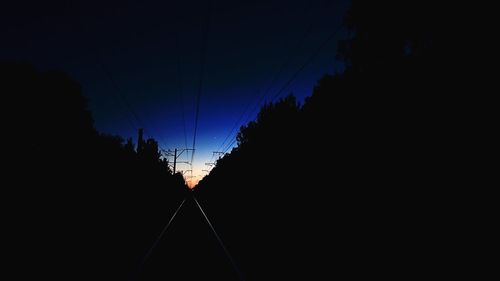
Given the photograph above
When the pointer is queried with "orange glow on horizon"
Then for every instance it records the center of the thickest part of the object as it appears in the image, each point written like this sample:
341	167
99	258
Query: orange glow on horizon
192	183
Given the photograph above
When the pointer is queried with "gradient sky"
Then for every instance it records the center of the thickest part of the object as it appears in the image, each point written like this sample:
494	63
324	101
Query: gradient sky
153	49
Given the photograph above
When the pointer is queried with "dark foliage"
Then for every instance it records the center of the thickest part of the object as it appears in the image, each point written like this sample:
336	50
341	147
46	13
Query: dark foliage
348	185
83	206
351	184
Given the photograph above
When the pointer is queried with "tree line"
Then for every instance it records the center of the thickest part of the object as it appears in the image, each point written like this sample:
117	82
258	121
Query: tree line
83	205
351	183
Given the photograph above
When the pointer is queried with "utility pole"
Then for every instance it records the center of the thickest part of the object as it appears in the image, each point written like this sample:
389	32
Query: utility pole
175	156
209	167
140	141
186	171
175	159
218	153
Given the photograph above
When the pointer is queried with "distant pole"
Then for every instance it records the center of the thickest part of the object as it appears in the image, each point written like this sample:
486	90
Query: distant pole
219	154
140	141
175	158
176	154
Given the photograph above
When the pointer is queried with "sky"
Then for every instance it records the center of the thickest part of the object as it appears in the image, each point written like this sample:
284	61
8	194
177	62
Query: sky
145	63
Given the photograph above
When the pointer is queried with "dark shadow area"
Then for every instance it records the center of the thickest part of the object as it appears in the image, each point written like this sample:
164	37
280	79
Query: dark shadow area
354	182
189	251
82	205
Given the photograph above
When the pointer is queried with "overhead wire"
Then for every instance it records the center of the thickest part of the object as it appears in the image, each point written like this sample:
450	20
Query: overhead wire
181	92
117	89
307	62
288	59
201	78
296	73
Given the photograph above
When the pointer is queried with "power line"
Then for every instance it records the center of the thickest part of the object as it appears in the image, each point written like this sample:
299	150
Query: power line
296	73
125	101
306	63
77	24
100	62
181	94
133	124
202	72
286	62
230	145
118	90
234	126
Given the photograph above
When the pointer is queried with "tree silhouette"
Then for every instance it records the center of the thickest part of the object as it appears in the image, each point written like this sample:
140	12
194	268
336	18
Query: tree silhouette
87	204
353	173
347	185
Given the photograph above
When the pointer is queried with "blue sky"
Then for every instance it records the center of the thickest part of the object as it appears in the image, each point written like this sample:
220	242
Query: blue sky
153	49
